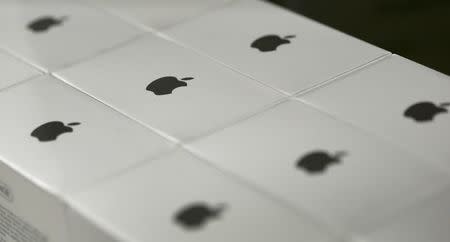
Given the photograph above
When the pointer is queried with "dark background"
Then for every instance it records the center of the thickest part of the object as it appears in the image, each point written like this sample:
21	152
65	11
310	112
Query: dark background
416	29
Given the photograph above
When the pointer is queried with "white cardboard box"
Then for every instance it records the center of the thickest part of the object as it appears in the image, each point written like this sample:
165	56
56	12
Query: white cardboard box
103	177
108	178
37	171
132	207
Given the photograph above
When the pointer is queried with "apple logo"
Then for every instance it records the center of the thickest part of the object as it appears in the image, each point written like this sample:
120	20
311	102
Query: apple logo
165	85
51	130
318	161
43	24
195	215
425	111
270	42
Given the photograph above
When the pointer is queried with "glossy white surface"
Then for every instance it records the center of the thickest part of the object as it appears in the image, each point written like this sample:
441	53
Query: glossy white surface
371	182
216	96
142	204
315	55
83	33
377	97
115	175
158	14
14	70
104	144
428	221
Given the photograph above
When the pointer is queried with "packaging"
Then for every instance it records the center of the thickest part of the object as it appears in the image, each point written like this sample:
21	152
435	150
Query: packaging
151	203
57	141
28	213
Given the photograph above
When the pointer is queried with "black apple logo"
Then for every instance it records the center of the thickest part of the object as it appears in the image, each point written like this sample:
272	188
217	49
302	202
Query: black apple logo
43	24
165	85
425	111
51	130
195	215
318	161
270	42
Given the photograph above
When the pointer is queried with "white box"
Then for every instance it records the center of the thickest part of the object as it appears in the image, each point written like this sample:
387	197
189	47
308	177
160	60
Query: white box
103	177
37	170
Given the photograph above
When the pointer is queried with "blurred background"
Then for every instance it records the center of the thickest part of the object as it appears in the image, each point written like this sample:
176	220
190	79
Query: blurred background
416	29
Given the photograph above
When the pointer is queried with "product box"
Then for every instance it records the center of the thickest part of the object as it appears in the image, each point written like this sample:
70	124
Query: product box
56	140
243	123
